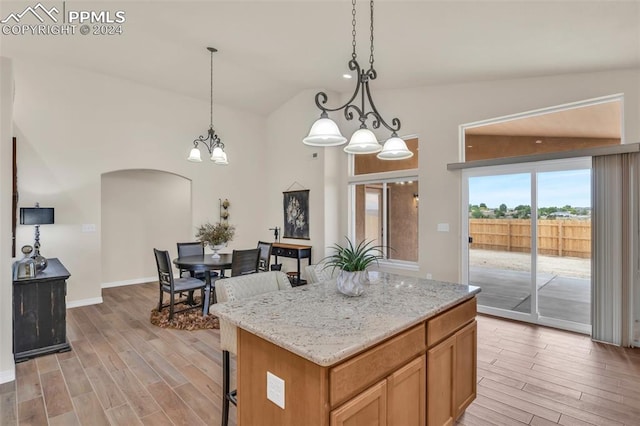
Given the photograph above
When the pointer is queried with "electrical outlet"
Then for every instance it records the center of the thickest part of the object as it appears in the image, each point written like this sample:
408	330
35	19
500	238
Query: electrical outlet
443	227
88	227
275	389
429	276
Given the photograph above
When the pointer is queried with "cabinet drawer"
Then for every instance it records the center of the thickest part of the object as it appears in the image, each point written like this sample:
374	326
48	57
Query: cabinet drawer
291	253
360	372
447	323
277	251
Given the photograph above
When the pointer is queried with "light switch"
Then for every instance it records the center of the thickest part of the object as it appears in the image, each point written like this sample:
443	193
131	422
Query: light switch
88	227
443	227
275	389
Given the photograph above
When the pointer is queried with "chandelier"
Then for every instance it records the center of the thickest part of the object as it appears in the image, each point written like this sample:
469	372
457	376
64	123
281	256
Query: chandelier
325	132
212	141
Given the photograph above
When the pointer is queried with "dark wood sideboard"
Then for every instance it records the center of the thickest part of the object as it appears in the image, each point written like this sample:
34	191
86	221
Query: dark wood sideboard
293	251
39	313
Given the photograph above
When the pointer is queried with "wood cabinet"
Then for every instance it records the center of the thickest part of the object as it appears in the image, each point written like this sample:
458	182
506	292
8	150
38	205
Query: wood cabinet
368	408
39	313
451	376
396	401
423	375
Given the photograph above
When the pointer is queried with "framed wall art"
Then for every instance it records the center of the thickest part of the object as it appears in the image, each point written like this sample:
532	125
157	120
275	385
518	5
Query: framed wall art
296	214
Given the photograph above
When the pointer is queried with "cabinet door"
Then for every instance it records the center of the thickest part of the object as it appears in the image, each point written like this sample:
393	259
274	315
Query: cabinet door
465	368
367	409
406	390
441	362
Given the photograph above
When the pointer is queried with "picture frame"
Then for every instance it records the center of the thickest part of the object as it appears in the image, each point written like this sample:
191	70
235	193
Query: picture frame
296	214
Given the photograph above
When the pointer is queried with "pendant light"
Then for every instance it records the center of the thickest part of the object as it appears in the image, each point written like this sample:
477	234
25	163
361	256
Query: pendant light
325	132
212	141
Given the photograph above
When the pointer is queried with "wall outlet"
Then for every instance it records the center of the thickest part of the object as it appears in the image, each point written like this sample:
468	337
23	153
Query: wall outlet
429	276
443	227
88	227
275	389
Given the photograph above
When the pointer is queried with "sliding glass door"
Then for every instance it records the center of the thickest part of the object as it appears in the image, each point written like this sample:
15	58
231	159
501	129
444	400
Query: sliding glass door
527	241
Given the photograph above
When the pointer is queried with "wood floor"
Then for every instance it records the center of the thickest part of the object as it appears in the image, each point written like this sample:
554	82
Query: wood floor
124	371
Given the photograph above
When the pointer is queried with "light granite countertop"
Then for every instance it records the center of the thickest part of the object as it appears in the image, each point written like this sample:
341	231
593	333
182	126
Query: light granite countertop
324	326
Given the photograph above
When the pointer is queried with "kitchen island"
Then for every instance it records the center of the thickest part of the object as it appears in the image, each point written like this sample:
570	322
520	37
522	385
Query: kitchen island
402	353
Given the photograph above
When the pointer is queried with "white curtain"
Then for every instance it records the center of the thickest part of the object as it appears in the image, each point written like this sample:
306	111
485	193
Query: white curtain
615	226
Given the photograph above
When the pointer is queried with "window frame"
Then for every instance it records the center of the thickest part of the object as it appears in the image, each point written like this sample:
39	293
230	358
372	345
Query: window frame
384	178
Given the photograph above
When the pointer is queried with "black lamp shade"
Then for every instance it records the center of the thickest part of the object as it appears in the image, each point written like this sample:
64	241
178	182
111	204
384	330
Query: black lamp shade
36	216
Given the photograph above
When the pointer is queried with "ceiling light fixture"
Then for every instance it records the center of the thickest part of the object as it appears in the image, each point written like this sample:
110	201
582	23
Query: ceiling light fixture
212	142
325	132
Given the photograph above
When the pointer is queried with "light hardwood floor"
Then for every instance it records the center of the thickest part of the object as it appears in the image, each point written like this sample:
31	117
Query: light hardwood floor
124	371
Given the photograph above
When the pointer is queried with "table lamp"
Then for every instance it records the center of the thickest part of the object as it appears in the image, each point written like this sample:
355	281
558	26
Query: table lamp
37	216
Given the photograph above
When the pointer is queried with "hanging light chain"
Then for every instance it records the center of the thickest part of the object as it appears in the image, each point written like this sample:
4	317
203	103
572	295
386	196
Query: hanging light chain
353	29
211	118
371	37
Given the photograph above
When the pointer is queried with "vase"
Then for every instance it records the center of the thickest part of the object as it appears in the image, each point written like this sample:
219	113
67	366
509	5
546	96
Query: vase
352	283
216	248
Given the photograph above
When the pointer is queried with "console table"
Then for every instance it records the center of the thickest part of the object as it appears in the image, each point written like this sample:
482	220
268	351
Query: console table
293	251
39	313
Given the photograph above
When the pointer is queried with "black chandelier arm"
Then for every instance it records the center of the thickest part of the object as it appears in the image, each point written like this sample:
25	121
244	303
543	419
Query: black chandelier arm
395	123
348	114
321	97
210	142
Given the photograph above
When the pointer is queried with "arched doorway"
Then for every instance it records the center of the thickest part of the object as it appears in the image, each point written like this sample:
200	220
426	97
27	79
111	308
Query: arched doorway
140	210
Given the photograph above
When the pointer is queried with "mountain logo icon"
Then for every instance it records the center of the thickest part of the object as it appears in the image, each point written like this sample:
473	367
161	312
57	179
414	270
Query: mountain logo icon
39	11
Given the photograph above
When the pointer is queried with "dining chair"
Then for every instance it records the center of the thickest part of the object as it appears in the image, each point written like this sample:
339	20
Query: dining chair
264	259
244	262
174	286
320	272
193	249
238	288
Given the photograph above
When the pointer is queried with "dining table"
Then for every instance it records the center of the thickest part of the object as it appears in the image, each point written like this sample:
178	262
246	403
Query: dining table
205	263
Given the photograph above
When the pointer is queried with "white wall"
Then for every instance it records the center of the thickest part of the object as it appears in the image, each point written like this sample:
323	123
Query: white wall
73	126
7	368
434	114
292	166
141	210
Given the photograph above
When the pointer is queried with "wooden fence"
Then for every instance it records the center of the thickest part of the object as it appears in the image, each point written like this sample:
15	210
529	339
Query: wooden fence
565	237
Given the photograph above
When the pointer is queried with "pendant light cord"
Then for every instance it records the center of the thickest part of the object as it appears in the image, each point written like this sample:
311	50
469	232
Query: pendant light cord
211	116
354	53
371	37
353	29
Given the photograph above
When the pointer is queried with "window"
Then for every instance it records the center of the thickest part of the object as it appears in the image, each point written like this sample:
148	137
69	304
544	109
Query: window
384	204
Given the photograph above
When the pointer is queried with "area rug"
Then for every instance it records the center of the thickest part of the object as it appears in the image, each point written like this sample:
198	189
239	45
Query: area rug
188	320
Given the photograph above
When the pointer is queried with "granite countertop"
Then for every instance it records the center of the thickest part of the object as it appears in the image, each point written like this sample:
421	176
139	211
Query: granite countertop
324	326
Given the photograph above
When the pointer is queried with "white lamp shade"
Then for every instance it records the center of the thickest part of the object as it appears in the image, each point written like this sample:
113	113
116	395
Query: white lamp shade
194	155
324	132
223	159
216	155
395	149
363	141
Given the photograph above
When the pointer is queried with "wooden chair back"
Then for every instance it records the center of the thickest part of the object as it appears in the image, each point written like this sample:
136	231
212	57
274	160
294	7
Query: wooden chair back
264	259
244	262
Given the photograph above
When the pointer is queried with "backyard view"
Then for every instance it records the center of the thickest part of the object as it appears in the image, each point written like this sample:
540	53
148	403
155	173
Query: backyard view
500	245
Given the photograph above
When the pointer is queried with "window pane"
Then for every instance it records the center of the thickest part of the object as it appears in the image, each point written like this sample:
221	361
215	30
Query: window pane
403	221
369	163
400	213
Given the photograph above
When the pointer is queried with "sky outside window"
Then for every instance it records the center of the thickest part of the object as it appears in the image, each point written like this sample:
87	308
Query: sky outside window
555	189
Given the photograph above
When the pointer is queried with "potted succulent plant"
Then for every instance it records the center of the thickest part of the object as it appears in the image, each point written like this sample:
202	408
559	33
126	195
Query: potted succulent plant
353	261
216	236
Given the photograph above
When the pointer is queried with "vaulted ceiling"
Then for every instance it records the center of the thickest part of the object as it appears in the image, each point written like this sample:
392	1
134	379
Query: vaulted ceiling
271	50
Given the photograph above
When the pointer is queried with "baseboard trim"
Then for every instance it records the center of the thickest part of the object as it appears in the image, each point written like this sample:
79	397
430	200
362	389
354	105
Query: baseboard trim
143	280
84	302
8	375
